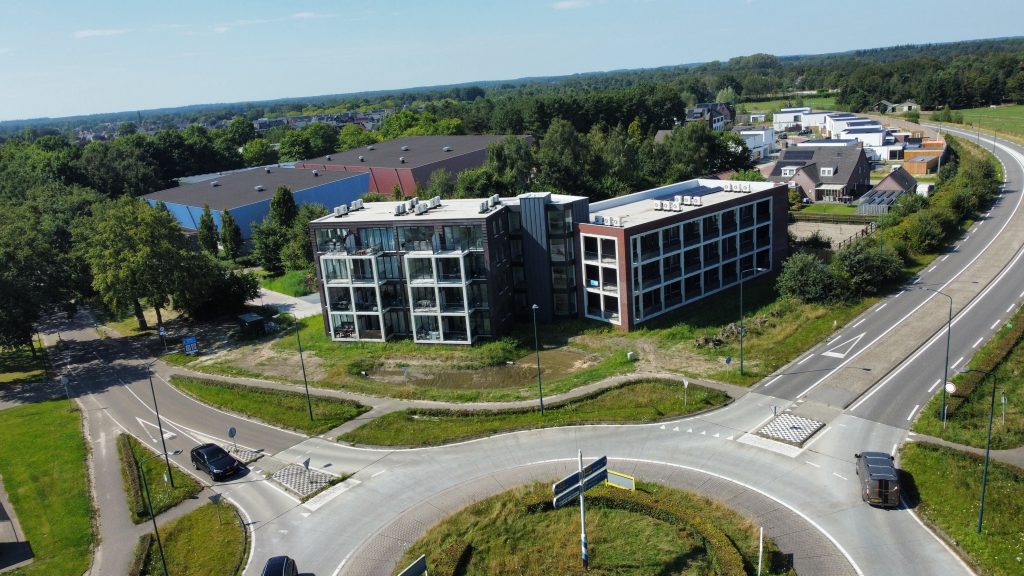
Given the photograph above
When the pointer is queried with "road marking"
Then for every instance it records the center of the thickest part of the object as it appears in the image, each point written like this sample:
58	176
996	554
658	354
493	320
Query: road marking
340	566
859	322
840	476
911	415
934	385
978	225
929	270
815	439
918	281
893	451
812	464
882	306
676	429
378	473
772	380
852	342
993	327
978	342
806	358
1010	309
944	258
1021	295
953	366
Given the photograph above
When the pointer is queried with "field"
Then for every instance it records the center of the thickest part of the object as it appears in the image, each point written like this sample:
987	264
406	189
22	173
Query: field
1005	119
948	485
815	102
201	543
286	409
653	531
641	401
292	283
828	208
42	460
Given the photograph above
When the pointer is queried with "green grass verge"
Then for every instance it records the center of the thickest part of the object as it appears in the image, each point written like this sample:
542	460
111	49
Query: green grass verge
200	544
948	486
42	460
280	408
18	365
655	530
815	102
162	494
1008	119
292	283
968	410
641	401
827	208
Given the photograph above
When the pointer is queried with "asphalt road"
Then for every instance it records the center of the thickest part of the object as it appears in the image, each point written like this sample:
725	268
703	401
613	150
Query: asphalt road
866	384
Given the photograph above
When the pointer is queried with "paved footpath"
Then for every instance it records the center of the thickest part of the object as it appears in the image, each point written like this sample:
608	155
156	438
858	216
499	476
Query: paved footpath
1013	456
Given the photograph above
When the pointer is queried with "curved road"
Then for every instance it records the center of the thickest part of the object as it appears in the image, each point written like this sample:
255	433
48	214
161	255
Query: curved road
865	385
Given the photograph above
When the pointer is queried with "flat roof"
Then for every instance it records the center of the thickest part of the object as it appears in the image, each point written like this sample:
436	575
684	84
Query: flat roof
422	151
453	209
238	188
638	208
864	130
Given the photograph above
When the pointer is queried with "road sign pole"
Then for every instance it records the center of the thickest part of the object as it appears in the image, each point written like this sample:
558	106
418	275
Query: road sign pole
686	386
583	521
160	427
760	550
309	403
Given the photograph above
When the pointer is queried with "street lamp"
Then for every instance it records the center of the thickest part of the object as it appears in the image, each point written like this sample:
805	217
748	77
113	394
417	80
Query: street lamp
160	427
743	273
309	403
149	503
988	444
945	365
536	346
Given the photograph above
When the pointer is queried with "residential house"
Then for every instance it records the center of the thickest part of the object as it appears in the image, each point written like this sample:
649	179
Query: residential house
825	170
760	141
884	194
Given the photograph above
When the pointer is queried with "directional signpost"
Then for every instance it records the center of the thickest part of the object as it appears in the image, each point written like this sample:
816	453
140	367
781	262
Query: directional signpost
576	484
231	434
686	385
191	345
163	336
417	568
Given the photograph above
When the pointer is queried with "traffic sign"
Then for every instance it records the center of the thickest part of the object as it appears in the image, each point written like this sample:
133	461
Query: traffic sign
569	495
950	387
417	568
191	345
232	432
574	478
620	480
728	360
162	331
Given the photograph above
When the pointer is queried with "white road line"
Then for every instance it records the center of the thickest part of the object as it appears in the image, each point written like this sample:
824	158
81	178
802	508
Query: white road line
978	342
378	473
806	358
911	415
894	445
839	476
944	258
1021	295
815	439
929	270
342	565
1010	309
882	306
859	322
769	383
979	223
993	326
954	364
812	464
934	385
918	281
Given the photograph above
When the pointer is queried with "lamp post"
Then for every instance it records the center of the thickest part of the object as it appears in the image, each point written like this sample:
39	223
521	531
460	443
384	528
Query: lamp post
309	403
149	504
536	346
988	444
160	427
743	273
945	365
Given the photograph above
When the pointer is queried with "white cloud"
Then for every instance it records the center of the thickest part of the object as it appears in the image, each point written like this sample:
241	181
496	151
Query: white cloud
303	15
99	33
251	21
571	4
221	29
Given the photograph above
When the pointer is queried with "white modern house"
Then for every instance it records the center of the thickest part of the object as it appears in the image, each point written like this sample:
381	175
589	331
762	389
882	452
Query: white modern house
789	118
760	141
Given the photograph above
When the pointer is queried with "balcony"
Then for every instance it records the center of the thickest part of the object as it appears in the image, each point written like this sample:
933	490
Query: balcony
341	306
421	278
453	307
366	307
449	278
362	279
424	306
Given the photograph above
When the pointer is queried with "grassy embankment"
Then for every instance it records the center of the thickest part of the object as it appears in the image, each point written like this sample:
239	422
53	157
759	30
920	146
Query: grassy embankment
285	409
292	283
42	460
637	402
18	365
655	530
948	487
201	543
162	495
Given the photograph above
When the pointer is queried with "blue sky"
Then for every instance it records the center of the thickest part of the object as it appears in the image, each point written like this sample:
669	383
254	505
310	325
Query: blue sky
60	58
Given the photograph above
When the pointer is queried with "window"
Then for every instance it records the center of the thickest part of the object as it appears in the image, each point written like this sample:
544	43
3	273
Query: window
415	237
377	238
788	172
557	250
559	221
827	171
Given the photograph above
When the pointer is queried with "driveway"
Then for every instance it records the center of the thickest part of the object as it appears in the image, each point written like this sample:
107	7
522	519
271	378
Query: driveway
302	307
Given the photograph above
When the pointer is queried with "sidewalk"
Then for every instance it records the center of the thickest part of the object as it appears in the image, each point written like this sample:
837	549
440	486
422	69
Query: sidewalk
14	550
303	307
1012	456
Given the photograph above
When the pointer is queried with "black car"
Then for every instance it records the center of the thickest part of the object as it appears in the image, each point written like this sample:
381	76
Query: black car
880	485
214	460
280	566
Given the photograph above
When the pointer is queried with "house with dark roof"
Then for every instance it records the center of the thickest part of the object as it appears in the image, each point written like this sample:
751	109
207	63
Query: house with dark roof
246	194
406	162
887	192
824	170
716	114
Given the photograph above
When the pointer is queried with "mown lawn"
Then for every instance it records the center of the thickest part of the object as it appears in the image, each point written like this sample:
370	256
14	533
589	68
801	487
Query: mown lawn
948	484
280	408
641	401
18	365
829	208
162	494
292	283
517	532
815	102
42	460
201	543
1003	119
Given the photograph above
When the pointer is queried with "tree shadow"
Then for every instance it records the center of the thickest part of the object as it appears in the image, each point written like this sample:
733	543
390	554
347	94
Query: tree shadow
678	564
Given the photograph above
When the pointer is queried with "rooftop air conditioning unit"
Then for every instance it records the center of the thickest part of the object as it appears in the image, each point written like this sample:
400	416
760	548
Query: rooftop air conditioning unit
405	148
745	187
435	201
598	219
497	200
421	209
341	210
446	148
490	201
357	203
258	188
315	173
696	200
401	159
483	207
409	204
361	159
398	209
266	169
615	221
687	200
677	206
727	186
678	199
657	204
215	183
415	200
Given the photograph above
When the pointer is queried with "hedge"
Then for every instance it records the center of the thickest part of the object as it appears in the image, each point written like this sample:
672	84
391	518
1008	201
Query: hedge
130	475
141	555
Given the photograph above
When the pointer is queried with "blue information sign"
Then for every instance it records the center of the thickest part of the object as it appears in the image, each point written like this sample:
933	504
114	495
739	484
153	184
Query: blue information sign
191	345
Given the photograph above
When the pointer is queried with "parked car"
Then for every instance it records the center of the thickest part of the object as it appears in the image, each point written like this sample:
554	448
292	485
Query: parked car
214	460
280	566
879	481
805	132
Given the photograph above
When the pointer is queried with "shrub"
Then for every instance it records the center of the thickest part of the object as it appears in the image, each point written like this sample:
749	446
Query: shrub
868	265
809	279
130	475
140	558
